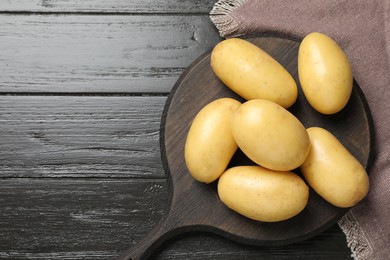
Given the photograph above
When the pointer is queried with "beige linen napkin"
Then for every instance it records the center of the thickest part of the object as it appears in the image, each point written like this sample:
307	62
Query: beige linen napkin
362	28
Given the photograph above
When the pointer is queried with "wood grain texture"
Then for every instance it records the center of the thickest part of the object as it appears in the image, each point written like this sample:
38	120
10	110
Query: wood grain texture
94	53
112	6
68	136
76	219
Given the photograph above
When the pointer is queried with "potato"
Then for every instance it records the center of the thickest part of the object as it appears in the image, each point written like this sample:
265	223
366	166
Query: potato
252	73
270	135
332	171
210	145
262	194
325	73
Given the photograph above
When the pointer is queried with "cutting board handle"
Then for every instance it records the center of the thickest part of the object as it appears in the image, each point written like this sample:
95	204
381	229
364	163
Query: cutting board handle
164	230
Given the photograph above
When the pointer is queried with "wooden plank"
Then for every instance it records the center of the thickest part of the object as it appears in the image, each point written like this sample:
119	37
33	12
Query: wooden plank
100	218
76	219
80	136
98	53
115	6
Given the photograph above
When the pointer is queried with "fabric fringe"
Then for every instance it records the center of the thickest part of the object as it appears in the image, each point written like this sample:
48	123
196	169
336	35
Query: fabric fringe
356	239
220	16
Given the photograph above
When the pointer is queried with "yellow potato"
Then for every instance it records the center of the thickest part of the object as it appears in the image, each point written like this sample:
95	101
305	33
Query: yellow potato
252	73
262	194
210	145
325	73
332	171
270	135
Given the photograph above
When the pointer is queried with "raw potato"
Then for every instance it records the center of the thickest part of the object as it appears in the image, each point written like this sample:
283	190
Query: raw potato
325	73
252	73
210	145
262	194
334	173
270	135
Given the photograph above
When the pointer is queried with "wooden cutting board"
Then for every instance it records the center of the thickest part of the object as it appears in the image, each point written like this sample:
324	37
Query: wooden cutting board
195	206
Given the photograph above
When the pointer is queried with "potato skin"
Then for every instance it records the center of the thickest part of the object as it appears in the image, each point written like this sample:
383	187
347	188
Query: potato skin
252	73
262	194
210	145
270	135
325	73
332	171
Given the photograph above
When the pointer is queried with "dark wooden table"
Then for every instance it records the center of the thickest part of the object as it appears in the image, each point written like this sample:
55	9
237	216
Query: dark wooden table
83	84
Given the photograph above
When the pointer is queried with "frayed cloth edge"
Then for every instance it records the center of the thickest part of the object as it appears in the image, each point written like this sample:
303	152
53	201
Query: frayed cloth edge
356	239
220	16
